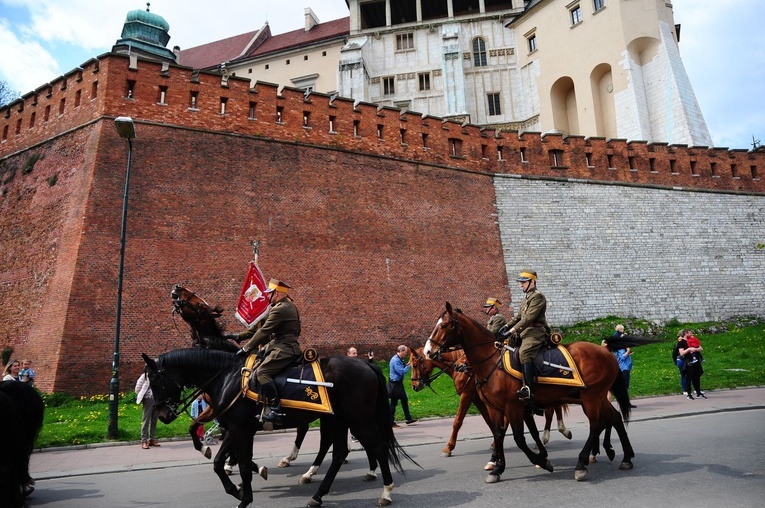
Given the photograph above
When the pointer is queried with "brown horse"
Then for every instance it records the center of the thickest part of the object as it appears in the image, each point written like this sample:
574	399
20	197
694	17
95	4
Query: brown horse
454	363
598	369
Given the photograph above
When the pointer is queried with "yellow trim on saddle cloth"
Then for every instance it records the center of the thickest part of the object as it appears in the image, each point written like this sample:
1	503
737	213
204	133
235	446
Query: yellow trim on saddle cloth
312	392
568	378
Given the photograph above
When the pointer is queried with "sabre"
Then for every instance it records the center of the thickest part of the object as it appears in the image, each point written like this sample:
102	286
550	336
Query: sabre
306	382
559	366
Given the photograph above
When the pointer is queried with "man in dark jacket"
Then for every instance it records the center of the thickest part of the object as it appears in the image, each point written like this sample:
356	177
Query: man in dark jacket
279	335
532	326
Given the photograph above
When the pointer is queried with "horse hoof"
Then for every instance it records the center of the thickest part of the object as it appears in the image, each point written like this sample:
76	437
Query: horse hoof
580	475
566	433
492	478
548	466
207	452
446	453
313	503
625	466
383	502
593	459
284	463
489	466
611	454
369	477
304	480
228	469
545	436
263	472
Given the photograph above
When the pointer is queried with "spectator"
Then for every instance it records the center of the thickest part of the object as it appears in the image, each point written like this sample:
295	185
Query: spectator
691	357
197	408
623	357
149	418
678	360
11	372
396	388
353	353
27	373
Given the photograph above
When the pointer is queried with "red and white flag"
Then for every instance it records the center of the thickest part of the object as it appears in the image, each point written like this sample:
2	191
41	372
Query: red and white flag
253	302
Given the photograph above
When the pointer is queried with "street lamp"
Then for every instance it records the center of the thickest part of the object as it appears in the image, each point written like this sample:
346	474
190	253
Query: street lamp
126	129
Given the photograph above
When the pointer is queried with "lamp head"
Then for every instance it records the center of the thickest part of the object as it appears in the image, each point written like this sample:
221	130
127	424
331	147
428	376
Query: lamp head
125	127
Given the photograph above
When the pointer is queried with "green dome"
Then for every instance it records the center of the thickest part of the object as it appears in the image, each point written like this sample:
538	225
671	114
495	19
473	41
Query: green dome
148	18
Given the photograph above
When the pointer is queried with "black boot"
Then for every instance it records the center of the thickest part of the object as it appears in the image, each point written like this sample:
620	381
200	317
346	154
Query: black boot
276	414
526	393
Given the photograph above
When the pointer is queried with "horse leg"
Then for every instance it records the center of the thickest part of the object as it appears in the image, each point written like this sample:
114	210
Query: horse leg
531	424
548	423
219	463
593	408
301	432
325	441
244	454
498	430
205	416
338	434
561	424
371	475
617	422
465	401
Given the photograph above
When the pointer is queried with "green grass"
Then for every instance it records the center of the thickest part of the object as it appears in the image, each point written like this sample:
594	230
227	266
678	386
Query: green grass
732	351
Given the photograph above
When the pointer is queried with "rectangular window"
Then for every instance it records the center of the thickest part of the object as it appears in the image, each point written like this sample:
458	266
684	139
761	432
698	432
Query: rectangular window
734	171
32	119
713	168
251	114
693	169
61	106
588	160
483	151
672	168
162	95
47	113
193	99
403	136
610	160
379	131
223	103
556	158
576	15
77	98
532	40
389	85
494	104
279	111
404	41
5	133
500	153
523	155
753	169
94	90
598	4
652	164
424	140
130	92
306	118
631	160
332	124
357	127
18	126
424	79
455	147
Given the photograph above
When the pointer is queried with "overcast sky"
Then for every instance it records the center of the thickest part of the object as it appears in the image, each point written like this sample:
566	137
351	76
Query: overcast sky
723	50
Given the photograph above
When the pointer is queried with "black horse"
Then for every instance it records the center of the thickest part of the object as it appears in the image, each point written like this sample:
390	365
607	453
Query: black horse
22	412
359	399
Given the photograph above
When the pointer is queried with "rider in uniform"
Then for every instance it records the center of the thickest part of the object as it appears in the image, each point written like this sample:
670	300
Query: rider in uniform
532	326
496	320
279	334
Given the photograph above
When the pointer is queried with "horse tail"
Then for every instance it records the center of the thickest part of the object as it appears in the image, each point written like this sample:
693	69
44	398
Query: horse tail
619	390
393	449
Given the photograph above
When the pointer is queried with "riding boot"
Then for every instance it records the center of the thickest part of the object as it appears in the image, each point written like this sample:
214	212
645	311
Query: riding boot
526	393
269	390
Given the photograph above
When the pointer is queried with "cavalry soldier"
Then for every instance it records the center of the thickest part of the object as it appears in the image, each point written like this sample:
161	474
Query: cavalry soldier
496	320
532	326
279	335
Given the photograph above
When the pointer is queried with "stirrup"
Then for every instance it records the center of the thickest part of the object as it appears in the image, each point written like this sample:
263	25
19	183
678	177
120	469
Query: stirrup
524	393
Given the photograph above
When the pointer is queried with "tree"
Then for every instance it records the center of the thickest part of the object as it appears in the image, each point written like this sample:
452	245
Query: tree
7	94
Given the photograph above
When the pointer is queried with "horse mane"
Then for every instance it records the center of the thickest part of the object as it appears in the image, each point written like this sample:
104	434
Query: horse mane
202	358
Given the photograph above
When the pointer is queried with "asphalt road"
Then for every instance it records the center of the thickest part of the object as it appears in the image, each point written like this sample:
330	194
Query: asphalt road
711	460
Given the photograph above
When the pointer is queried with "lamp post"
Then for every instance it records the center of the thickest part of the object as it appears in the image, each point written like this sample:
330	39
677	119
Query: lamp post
126	129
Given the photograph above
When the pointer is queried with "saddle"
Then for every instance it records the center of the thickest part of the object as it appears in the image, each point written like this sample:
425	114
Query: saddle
553	365
301	385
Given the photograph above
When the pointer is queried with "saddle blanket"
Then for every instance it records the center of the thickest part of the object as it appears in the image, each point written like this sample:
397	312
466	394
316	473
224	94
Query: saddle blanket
554	366
306	394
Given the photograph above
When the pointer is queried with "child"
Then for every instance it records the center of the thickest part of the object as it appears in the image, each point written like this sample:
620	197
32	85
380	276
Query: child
693	341
197	407
27	373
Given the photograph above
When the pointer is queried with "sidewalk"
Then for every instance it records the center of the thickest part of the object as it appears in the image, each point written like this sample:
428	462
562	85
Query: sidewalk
270	447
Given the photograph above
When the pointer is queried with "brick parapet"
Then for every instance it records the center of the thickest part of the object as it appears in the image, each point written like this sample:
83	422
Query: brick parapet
292	116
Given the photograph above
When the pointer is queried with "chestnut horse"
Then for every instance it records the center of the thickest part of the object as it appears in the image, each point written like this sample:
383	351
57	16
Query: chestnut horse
454	363
497	389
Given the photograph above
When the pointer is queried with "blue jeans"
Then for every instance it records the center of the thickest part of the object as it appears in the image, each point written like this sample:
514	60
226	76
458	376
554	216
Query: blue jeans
683	377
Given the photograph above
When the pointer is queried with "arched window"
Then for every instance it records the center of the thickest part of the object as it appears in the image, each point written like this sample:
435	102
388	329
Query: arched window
479	52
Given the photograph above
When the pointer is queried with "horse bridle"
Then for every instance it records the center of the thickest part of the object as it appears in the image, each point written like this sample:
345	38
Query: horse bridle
183	403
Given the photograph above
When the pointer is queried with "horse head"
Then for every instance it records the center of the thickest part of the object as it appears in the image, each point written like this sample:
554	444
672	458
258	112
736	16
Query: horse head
447	335
422	369
195	311
166	390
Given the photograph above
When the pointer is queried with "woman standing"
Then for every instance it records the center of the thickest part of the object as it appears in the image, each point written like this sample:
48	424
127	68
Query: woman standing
11	372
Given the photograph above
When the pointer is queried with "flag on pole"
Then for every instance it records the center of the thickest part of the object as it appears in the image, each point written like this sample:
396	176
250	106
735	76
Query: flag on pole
253	302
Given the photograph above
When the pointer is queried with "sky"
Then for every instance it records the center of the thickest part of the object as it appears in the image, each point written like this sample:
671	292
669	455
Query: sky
723	49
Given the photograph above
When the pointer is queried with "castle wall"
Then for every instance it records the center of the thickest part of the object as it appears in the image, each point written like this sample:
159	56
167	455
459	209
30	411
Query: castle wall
376	222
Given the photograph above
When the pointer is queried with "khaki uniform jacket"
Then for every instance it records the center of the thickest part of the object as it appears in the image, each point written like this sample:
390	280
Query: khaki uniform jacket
496	322
531	324
280	331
